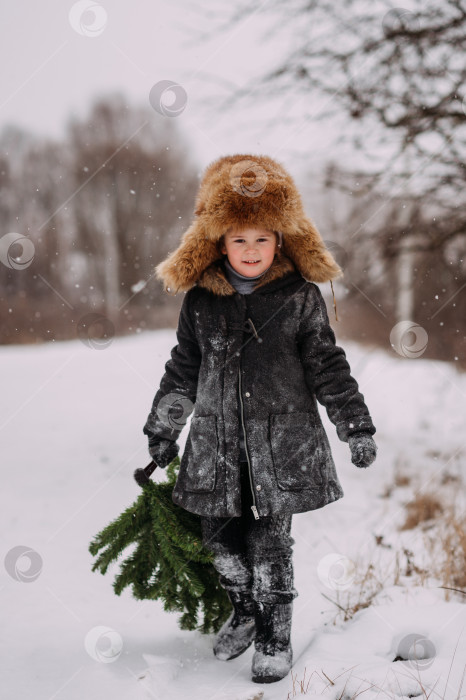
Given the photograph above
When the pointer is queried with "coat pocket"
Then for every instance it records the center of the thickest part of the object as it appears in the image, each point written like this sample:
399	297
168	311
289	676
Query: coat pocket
297	450
199	463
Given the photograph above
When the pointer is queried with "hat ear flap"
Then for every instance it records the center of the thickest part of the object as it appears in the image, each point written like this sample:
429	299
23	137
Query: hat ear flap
182	268
307	250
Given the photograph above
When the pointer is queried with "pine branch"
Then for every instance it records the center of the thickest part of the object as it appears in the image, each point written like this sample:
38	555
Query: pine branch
119	534
168	561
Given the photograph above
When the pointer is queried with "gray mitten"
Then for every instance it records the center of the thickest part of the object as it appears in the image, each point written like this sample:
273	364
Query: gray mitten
363	449
163	451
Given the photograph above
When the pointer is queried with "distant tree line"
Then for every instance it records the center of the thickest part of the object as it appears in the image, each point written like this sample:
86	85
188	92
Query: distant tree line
84	221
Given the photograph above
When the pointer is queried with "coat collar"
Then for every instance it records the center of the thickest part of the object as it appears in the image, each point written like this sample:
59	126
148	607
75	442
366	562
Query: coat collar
215	280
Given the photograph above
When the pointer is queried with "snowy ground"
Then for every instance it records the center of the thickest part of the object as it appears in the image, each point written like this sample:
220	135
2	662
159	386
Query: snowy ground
71	436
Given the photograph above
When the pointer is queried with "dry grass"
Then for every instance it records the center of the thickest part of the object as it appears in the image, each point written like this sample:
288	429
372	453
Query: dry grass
437	532
365	587
401	480
406	567
448	478
444	531
401	477
301	687
369	581
447	550
424	507
443	554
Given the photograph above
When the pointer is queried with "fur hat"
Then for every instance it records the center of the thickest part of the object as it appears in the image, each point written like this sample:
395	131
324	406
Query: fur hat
238	192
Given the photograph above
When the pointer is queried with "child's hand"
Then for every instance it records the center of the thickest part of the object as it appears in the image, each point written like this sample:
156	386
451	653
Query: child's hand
162	451
363	449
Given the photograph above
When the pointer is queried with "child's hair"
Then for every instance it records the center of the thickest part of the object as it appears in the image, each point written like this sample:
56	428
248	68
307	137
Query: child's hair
221	240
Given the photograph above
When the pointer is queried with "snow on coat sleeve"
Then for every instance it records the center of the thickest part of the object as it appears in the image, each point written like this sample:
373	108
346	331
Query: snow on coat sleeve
327	371
176	396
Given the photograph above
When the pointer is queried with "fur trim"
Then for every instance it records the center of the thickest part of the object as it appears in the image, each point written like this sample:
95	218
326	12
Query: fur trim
238	192
215	280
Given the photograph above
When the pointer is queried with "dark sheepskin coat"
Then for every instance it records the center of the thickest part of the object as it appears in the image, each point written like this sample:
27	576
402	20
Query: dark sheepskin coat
274	369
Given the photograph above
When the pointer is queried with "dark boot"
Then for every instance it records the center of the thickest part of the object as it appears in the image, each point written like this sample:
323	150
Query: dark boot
273	656
237	634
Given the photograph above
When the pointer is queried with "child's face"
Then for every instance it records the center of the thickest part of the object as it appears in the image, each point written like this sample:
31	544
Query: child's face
250	251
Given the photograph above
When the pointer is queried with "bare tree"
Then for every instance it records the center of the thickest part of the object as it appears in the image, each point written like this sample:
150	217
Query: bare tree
391	81
401	71
101	208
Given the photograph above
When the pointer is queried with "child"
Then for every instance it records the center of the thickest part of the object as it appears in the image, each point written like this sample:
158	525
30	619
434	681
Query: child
255	352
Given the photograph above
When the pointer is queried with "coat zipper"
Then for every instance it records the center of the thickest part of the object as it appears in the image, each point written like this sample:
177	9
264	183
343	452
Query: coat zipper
253	507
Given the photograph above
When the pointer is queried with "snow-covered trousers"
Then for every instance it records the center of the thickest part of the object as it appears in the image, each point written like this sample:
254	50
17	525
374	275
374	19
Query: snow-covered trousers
252	556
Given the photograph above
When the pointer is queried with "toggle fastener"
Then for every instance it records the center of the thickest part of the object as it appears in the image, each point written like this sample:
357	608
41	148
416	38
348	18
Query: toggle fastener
250	328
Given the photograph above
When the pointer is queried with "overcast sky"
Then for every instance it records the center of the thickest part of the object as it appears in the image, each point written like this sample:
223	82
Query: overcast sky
55	64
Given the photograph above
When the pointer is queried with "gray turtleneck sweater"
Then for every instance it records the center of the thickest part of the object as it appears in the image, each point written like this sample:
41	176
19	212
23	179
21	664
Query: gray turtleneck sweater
242	284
